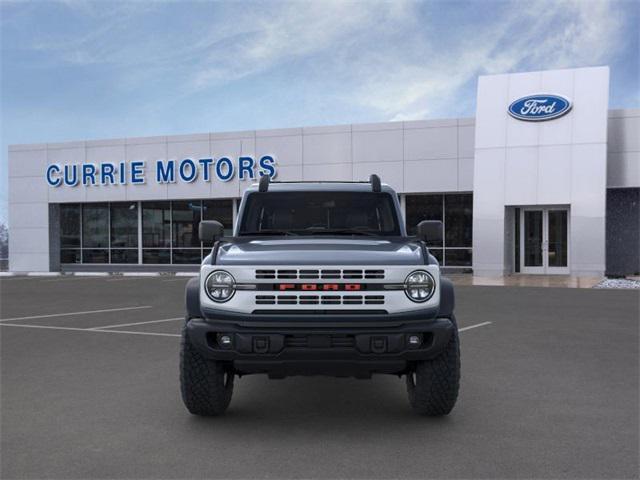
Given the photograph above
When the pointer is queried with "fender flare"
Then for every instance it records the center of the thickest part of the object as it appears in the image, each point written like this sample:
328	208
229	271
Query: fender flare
192	298
447	298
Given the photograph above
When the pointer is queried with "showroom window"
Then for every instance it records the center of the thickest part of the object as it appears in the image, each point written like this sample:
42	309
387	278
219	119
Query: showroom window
70	234
185	218
124	232
109	232
455	211
156	232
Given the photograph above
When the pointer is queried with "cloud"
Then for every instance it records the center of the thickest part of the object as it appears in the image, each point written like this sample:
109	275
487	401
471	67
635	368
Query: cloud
525	36
293	31
399	59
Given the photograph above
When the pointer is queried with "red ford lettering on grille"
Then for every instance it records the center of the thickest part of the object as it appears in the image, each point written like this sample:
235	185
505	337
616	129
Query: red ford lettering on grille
326	287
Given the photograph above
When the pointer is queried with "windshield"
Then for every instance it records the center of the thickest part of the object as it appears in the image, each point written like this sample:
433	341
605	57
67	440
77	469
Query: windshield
319	213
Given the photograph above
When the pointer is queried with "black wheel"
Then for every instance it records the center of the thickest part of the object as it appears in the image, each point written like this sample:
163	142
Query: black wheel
206	386
433	384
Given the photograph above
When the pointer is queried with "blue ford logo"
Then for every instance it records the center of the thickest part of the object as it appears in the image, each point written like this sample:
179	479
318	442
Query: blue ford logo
536	108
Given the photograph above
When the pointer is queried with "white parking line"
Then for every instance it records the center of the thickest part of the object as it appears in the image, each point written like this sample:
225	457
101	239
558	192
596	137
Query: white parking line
154	334
49	327
74	313
136	323
474	326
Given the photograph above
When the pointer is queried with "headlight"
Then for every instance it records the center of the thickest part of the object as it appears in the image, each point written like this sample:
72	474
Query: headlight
220	286
419	286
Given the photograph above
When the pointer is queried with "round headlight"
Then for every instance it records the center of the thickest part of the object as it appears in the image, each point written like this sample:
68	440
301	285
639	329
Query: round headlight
220	286
419	286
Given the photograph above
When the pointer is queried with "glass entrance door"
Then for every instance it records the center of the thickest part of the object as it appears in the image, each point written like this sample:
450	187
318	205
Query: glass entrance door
544	242
533	241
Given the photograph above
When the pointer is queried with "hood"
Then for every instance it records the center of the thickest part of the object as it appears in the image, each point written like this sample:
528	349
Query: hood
320	251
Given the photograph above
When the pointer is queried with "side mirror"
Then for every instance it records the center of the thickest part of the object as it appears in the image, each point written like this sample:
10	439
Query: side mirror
210	230
430	231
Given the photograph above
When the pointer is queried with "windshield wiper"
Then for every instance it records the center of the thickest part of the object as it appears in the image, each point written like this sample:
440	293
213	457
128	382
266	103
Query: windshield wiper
343	231
269	231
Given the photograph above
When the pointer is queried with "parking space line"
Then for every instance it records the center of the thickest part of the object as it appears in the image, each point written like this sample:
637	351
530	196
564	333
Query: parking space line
137	323
73	329
155	334
74	313
474	326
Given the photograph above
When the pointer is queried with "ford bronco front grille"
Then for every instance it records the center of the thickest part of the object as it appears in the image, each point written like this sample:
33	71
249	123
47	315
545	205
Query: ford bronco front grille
311	274
319	299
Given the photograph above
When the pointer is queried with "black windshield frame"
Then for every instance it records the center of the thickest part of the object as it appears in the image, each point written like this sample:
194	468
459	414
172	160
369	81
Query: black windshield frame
320	213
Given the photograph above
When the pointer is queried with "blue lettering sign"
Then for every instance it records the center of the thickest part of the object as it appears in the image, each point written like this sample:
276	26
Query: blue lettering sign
51	180
166	171
137	172
188	174
71	175
165	174
245	167
206	168
221	165
267	166
106	173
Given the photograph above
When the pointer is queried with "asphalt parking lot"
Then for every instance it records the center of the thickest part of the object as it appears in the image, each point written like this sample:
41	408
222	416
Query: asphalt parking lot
89	389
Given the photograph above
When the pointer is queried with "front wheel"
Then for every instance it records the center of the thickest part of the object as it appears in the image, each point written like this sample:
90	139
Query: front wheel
433	384
206	386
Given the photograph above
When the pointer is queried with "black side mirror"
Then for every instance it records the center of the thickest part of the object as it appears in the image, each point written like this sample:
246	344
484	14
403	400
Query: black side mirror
210	230
430	231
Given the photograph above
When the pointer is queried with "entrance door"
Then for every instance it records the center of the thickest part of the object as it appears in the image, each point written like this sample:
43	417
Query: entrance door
544	246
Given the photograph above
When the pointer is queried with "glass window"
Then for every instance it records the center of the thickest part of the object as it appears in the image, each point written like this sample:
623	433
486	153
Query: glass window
558	244
156	224
457	257
320	213
455	210
186	255
95	256
156	255
423	207
124	225
127	255
458	214
436	252
70	255
69	226
186	218
220	210
95	225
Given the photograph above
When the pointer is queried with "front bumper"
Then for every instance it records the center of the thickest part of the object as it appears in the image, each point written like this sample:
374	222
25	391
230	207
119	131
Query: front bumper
355	349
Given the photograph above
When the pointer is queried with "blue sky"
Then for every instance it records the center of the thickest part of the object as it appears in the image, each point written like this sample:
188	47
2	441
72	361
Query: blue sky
74	70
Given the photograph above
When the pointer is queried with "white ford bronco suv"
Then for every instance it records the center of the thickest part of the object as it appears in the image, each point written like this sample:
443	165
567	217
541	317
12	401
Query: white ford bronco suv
320	279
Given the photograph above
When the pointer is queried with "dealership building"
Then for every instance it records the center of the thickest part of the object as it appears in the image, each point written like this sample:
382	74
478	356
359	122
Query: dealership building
545	179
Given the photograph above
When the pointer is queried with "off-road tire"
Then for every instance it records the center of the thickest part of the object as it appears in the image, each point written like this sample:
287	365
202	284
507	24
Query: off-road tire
206	386
433	385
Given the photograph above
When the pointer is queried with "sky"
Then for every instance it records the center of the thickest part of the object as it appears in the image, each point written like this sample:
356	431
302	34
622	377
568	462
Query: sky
76	70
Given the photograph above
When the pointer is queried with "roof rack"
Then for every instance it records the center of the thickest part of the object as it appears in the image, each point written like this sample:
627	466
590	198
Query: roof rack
374	180
263	186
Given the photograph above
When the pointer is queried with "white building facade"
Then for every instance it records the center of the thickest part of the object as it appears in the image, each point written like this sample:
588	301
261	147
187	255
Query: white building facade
545	179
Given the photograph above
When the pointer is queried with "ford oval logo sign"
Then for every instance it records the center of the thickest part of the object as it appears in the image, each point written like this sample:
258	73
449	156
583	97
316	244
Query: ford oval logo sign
536	108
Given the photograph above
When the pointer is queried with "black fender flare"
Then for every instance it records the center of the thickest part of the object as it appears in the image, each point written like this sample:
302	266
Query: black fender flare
192	298
447	298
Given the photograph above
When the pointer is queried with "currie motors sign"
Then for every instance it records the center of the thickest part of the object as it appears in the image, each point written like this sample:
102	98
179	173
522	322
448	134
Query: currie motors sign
162	171
540	107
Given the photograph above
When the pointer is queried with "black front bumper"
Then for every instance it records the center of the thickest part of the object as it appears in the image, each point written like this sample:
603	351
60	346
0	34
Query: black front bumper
353	349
